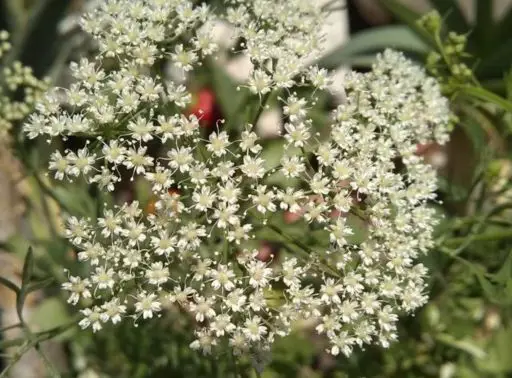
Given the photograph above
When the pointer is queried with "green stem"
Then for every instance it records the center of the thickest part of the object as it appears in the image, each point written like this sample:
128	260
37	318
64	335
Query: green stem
34	341
226	250
302	249
46	212
17	325
235	366
261	108
306	158
47	190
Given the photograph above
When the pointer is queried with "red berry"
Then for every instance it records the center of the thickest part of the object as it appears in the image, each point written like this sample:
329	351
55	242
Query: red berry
172	191
421	149
204	107
266	252
151	206
433	153
290	217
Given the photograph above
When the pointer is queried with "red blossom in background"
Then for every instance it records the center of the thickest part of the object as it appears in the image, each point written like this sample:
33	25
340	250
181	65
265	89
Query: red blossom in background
204	106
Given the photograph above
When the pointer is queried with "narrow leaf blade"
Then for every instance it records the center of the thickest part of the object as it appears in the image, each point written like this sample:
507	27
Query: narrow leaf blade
8	284
482	94
363	45
39	285
408	17
28	267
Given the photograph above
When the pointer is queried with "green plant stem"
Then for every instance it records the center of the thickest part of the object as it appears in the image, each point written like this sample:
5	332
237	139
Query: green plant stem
236	374
306	158
304	250
24	349
17	325
46	211
477	234
41	336
226	250
261	108
34	341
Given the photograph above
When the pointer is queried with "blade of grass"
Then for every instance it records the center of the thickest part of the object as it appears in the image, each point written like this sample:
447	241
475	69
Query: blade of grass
8	284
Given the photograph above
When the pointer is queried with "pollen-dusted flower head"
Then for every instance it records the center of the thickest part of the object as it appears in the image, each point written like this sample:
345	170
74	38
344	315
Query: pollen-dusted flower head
361	192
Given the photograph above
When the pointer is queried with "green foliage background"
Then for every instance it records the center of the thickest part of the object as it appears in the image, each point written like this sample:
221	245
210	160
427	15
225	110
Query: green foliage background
466	328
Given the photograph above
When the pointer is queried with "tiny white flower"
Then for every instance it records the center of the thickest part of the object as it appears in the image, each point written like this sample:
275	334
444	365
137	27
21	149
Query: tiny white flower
222	278
147	305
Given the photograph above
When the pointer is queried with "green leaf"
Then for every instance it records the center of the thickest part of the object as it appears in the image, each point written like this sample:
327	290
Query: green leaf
498	357
4	344
34	286
273	151
143	191
410	18
463	345
12	326
225	89
454	191
73	199
359	61
15	17
359	229
360	47
452	14
8	284
28	269
489	289
41	41
505	273
507	80
485	95
51	313
477	126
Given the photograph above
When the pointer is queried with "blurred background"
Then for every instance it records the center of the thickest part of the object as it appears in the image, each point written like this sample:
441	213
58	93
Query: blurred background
464	331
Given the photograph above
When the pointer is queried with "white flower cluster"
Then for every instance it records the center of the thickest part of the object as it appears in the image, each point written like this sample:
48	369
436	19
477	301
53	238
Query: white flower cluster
192	251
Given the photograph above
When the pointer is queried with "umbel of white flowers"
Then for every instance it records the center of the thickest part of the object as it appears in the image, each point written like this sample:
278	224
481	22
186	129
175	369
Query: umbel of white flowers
192	251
